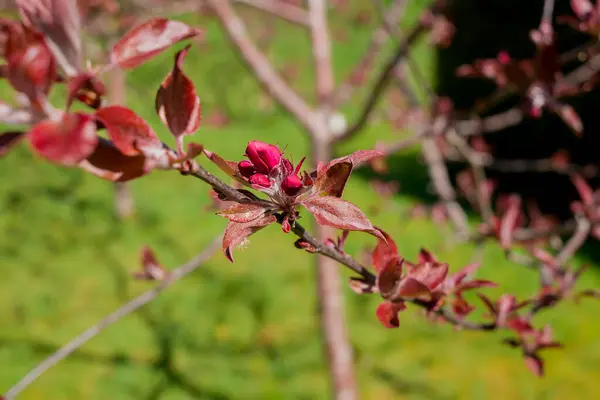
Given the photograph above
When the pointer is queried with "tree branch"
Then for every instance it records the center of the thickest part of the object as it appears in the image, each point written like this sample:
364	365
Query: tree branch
286	11
133	305
260	65
321	46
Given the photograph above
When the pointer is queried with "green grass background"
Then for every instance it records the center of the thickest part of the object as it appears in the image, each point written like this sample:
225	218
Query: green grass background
245	330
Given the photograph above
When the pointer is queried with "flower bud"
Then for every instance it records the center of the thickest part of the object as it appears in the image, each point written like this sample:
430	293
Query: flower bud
263	156
246	168
291	185
260	180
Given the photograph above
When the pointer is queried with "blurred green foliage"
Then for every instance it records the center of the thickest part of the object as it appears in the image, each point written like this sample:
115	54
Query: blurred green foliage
245	330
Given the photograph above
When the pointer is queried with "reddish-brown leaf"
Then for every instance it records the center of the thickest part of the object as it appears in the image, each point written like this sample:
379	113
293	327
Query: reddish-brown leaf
151	268
568	114
31	67
86	88
236	232
107	162
177	103
356	158
389	277
332	181
387	313
360	286
341	214
127	130
509	221
535	364
60	22
385	251
67	141
8	140
242	212
148	39
229	167
411	288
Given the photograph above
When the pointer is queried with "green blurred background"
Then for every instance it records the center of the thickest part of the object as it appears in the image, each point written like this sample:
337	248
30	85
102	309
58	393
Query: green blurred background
246	330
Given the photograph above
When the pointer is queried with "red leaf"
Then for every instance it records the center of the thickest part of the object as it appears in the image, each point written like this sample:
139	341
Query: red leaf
411	288
147	40
341	214
332	181
585	191
229	167
60	22
151	268
360	286
535	364
389	278
109	163
66	142
236	232
128	131
509	221
86	88
385	251
31	67
387	313
8	140
356	158
177	103
242	212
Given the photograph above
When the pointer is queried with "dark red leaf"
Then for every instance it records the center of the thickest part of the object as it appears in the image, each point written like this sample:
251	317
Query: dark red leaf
389	278
151	268
147	40
31	68
333	181
8	140
67	141
236	232
60	22
360	286
356	158
86	88
411	288
341	214
177	103
242	212
509	221
109	163
229	167
535	364
385	251
428	271
387	313
128	131
489	304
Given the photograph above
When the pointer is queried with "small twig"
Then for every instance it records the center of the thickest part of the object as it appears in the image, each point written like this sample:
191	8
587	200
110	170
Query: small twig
133	305
576	241
286	11
262	69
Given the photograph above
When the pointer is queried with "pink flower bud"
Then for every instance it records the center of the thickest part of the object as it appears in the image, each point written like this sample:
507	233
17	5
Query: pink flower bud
260	180
246	168
291	185
264	156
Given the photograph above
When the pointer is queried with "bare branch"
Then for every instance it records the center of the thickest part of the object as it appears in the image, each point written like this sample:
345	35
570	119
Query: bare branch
260	65
112	318
378	39
321	46
286	11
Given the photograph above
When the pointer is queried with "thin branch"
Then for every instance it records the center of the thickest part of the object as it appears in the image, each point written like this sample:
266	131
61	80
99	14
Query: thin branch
286	11
382	81
321	47
133	305
575	242
548	11
440	179
260	65
378	39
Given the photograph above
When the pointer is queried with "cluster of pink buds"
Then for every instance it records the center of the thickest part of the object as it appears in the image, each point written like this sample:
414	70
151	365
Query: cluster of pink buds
268	169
